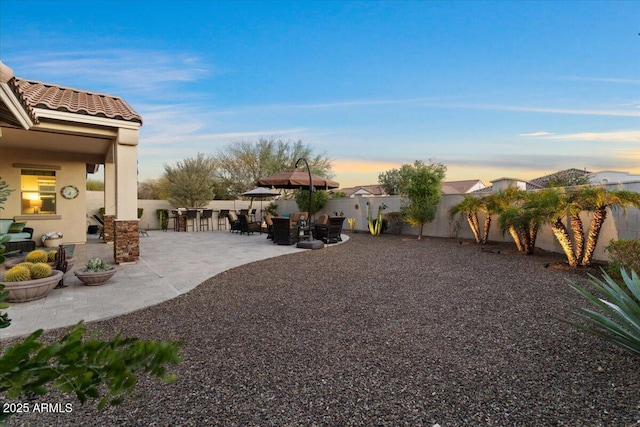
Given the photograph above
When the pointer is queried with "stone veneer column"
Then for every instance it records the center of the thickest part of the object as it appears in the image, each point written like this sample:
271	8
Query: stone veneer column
109	228
126	248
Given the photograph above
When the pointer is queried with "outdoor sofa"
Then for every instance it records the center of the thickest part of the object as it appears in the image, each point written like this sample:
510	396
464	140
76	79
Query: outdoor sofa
20	236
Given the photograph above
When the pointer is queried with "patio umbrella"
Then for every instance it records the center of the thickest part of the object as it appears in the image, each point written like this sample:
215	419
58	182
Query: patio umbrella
300	179
260	193
296	179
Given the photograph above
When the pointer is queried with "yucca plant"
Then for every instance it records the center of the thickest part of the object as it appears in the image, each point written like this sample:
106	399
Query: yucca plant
618	317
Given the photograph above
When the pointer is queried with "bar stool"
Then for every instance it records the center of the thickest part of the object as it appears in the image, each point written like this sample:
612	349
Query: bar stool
222	218
205	216
191	215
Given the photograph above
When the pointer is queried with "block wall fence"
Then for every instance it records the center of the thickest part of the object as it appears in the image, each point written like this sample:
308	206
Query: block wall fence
619	225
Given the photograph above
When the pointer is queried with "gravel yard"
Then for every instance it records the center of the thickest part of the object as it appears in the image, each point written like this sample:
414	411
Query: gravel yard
386	331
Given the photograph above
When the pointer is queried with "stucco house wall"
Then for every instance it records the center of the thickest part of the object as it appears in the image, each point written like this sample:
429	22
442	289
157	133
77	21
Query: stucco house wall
69	172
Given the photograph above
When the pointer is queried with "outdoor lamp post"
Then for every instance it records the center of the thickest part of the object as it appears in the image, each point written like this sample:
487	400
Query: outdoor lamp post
310	243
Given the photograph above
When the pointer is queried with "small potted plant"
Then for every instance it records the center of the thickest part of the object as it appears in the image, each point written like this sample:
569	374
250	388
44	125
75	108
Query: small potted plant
95	272
52	239
40	255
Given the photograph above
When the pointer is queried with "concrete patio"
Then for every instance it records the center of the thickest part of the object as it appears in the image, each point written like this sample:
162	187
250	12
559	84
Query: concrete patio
170	264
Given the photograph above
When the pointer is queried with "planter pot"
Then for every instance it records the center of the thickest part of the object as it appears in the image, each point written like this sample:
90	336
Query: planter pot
12	262
94	278
30	290
52	243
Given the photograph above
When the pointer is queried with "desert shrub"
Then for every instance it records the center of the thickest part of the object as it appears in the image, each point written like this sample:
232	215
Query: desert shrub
624	254
395	222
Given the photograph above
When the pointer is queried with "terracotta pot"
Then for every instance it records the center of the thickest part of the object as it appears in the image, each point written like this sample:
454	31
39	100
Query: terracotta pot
29	290
94	278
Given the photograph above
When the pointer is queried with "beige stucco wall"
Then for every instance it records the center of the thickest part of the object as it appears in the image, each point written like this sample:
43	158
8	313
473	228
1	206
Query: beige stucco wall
70	214
619	225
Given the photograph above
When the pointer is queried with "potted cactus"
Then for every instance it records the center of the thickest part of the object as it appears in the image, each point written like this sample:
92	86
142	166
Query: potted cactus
40	255
29	281
95	272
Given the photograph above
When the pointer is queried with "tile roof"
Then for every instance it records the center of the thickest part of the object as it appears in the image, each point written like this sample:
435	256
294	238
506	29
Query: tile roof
6	77
460	187
53	97
563	175
374	189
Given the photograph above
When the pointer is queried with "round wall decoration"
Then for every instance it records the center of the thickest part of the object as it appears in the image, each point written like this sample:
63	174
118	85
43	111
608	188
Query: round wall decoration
69	192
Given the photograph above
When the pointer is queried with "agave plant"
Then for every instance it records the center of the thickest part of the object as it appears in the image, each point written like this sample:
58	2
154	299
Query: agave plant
618	318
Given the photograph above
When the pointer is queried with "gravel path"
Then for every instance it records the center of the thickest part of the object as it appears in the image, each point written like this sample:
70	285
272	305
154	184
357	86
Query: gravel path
386	331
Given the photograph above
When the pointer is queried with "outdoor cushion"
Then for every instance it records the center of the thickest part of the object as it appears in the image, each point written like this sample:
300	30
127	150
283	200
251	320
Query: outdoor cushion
4	225
14	237
17	227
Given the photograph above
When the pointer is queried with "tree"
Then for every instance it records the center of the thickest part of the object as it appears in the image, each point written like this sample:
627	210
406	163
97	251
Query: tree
569	179
93	185
420	184
469	207
242	163
319	200
154	189
597	200
521	214
559	205
391	181
191	182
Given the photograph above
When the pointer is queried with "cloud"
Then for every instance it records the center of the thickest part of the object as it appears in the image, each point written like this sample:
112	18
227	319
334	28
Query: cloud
435	103
211	137
605	80
623	136
538	133
129	71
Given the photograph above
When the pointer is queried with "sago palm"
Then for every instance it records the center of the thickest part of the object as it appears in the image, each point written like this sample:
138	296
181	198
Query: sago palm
469	207
597	200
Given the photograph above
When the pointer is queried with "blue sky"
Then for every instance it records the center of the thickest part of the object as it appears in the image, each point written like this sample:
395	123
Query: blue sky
491	89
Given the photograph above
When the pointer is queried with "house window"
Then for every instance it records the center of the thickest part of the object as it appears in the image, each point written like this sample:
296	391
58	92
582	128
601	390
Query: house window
38	188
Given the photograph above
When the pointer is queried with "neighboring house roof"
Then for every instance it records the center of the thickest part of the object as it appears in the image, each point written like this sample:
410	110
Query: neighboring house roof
53	97
364	190
562	175
536	183
461	187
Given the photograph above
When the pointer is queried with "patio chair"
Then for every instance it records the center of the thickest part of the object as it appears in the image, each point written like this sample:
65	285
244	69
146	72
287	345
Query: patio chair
284	233
268	220
205	216
101	222
248	226
329	232
234	223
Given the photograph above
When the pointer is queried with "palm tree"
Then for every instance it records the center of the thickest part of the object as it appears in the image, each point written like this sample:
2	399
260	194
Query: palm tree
597	200
557	205
508	205
469	206
490	207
